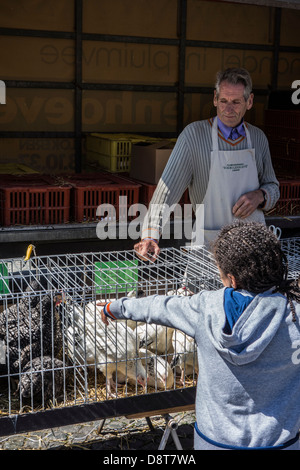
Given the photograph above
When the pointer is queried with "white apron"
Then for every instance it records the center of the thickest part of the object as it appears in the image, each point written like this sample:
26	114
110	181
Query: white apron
232	174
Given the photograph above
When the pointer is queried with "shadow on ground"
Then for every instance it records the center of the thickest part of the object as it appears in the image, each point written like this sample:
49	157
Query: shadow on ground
139	440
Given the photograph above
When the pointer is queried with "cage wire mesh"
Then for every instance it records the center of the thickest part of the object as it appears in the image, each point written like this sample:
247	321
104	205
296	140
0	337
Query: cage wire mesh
291	247
54	349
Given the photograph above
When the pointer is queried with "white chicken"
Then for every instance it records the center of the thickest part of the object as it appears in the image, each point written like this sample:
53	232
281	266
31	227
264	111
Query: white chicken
112	349
159	372
156	338
181	291
185	354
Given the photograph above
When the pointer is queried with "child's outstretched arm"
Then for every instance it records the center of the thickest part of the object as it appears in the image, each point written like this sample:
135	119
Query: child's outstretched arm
173	311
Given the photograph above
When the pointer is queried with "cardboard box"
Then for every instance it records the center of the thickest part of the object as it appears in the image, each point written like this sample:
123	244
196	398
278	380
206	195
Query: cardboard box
149	160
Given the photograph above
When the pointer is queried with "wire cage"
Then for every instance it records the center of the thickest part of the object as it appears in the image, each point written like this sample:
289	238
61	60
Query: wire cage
56	353
291	247
59	363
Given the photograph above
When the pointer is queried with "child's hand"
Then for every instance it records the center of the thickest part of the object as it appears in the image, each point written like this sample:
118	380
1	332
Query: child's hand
103	316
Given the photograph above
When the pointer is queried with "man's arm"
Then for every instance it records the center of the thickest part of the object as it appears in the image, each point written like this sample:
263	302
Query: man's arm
171	186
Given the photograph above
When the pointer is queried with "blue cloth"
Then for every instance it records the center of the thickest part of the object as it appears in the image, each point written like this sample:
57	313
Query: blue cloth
232	133
234	304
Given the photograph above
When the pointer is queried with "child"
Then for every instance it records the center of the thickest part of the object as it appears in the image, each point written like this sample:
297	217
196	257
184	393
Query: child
248	343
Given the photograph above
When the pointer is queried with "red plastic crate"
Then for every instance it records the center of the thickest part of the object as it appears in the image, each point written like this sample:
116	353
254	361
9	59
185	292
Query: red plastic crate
288	148
289	200
147	191
282	123
285	155
33	200
92	190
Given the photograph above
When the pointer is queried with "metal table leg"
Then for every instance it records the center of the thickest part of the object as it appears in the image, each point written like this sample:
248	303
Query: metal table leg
171	428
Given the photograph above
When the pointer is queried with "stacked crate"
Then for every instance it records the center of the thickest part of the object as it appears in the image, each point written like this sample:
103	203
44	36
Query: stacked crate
101	189
43	200
112	152
33	200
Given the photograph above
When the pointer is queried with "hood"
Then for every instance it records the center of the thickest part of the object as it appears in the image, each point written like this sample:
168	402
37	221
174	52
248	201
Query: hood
253	330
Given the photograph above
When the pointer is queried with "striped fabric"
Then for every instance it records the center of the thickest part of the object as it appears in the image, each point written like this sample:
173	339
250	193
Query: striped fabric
107	312
189	166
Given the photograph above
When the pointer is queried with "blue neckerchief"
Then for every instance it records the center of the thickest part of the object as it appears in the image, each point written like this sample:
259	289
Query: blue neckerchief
234	304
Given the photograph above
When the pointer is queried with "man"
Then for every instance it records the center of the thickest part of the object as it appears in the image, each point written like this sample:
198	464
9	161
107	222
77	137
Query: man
225	163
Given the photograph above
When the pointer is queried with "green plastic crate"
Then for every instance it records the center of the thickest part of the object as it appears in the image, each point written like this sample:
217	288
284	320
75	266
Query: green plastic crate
113	277
3	279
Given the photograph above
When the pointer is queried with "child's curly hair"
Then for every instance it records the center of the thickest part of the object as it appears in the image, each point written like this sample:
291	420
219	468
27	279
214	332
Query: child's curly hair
253	255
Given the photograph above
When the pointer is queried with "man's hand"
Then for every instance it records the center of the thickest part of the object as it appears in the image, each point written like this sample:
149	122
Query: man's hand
147	250
248	203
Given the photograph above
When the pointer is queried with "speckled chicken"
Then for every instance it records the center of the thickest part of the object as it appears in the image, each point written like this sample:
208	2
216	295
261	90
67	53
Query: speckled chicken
37	377
30	332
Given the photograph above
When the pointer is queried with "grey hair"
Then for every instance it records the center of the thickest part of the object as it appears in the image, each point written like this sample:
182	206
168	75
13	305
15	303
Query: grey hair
235	76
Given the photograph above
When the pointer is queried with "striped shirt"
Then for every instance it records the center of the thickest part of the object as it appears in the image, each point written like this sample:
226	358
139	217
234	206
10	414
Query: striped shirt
189	167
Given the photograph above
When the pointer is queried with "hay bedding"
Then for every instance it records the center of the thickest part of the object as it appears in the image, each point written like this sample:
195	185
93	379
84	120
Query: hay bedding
11	404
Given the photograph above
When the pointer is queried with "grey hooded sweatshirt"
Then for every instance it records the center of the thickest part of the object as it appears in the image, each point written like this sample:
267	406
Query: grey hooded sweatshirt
248	388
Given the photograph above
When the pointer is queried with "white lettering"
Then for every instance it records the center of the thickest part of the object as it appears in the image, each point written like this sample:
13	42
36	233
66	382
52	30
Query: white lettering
170	459
113	460
112	216
2	92
296	354
135	226
106	227
296	94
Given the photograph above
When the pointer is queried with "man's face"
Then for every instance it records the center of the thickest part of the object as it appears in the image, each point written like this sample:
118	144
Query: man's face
231	105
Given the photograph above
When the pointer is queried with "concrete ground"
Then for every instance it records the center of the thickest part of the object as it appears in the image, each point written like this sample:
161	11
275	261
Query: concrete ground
112	434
